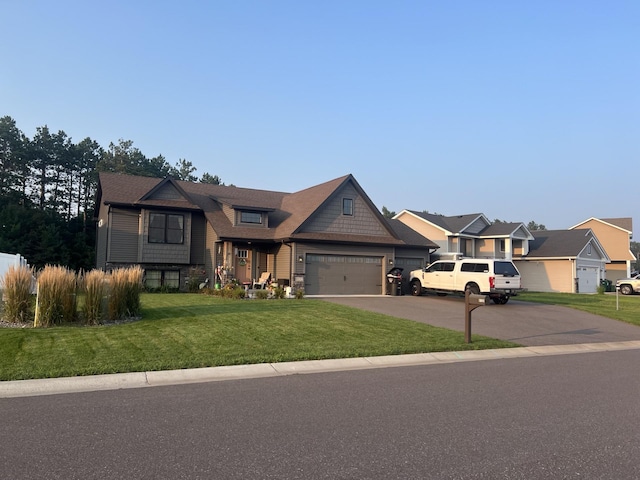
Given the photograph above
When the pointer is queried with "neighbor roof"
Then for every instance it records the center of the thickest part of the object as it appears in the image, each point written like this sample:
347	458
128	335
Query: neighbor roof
560	243
453	224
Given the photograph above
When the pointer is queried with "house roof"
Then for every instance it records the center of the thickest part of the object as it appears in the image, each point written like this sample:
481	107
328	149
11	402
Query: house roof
453	224
288	212
504	229
562	243
624	223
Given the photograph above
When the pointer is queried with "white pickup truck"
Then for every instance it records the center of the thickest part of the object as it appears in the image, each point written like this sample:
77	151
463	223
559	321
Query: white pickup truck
497	278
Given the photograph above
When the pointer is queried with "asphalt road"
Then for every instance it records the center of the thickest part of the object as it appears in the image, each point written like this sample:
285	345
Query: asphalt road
569	416
529	324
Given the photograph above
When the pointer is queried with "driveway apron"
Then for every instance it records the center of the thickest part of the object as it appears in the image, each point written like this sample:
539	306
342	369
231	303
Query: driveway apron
528	324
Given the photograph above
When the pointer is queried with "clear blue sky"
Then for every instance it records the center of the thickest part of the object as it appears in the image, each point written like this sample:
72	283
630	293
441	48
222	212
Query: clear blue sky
518	110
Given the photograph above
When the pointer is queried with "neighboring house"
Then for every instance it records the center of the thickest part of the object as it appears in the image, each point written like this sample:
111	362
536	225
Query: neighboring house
567	261
471	235
327	239
615	236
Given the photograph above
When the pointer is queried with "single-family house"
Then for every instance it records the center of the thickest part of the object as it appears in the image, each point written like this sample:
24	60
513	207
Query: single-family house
615	236
471	235
567	261
327	239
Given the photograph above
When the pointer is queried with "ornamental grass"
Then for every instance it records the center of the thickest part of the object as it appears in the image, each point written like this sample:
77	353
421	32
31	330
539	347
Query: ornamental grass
56	300
17	303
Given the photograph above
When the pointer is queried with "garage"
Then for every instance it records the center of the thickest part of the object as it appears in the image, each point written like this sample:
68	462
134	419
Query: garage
587	279
343	275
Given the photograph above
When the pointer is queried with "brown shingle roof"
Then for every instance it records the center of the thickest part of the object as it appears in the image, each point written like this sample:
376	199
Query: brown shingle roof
288	211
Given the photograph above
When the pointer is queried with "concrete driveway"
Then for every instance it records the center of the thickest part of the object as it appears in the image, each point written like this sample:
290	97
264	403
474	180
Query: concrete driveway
529	324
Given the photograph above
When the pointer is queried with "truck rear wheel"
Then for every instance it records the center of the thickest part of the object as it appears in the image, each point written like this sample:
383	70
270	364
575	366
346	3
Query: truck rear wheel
416	288
473	288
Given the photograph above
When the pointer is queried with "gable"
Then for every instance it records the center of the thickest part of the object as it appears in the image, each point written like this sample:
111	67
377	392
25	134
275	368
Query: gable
476	226
166	191
330	218
614	239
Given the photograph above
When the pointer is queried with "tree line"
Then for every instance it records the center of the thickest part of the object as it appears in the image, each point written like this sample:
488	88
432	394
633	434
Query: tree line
48	187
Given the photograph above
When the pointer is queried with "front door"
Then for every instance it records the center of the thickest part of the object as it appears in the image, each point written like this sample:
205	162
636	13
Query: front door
242	265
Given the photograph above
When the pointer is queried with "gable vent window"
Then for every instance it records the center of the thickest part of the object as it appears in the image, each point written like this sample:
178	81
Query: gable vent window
347	206
165	228
251	217
589	249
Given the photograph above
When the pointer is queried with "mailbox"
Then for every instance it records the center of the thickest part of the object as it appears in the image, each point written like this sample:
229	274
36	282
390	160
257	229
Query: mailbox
480	300
471	302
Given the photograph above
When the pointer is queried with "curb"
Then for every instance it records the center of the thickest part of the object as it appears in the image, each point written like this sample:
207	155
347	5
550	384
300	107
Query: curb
117	381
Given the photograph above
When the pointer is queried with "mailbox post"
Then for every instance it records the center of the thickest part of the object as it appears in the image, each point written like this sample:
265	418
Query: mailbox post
471	302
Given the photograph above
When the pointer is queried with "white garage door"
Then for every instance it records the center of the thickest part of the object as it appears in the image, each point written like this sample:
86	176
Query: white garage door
343	275
587	279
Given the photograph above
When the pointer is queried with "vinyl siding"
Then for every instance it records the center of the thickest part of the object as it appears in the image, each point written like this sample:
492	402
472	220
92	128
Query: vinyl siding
614	241
476	227
425	229
547	275
124	226
102	232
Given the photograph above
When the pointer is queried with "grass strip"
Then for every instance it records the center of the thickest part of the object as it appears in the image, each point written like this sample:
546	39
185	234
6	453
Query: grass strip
193	330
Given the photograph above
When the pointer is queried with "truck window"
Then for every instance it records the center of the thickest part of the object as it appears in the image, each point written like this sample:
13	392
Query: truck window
507	269
448	266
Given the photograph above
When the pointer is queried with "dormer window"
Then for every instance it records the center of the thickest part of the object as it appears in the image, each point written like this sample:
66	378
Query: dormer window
254	218
347	206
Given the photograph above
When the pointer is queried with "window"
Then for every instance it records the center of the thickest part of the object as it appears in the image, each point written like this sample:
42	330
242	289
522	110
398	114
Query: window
251	217
502	245
589	249
243	253
347	206
166	228
156	279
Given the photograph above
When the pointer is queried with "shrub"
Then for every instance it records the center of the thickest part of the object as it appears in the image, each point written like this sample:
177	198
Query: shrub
16	294
299	294
56	300
278	292
262	294
95	288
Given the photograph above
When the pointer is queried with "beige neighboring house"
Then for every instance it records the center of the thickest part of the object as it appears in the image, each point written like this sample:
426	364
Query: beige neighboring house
615	236
564	261
471	235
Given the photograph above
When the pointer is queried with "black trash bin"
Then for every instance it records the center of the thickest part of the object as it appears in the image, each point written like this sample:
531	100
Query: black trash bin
607	284
394	281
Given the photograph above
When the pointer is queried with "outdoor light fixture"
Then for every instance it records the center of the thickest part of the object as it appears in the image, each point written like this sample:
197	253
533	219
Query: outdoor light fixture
300	259
391	261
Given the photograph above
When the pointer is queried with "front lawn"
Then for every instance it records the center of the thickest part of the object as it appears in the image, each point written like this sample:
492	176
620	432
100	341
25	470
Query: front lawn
627	308
194	330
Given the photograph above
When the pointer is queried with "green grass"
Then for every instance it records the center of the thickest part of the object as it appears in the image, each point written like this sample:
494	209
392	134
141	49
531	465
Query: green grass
194	330
627	309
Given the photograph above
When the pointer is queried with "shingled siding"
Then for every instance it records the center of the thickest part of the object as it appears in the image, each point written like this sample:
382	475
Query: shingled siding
164	252
331	220
123	241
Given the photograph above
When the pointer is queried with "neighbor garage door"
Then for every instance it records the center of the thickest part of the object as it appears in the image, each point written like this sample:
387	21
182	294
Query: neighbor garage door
343	275
587	279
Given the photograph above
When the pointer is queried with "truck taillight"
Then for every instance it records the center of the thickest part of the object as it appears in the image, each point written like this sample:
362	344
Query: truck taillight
492	282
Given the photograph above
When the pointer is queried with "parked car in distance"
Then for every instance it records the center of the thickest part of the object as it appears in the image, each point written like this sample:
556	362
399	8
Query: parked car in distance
628	286
495	277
